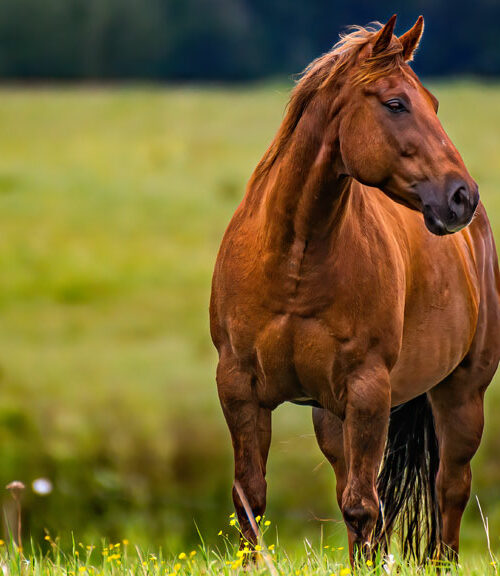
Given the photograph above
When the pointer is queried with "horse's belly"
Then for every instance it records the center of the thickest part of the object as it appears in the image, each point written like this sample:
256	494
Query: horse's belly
297	357
429	353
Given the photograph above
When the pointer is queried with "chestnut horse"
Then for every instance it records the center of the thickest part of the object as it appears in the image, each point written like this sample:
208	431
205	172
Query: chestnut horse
332	290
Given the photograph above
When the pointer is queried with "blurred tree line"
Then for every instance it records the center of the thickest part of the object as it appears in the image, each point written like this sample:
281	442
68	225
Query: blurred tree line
233	40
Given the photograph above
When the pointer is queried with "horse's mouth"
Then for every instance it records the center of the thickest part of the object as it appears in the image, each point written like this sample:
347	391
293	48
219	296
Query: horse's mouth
434	224
438	227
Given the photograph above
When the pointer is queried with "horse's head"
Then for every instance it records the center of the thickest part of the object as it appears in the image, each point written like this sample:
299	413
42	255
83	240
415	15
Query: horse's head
391	138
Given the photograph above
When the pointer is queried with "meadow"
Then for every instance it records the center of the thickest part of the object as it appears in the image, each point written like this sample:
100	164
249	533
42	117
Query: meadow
113	202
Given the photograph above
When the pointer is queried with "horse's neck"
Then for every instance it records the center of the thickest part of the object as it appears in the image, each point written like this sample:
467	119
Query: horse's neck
306	194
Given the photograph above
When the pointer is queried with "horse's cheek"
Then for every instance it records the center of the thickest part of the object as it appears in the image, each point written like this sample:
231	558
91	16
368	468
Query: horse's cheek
363	150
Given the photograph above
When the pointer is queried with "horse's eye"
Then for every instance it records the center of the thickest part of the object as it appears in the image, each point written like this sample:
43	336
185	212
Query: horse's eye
395	105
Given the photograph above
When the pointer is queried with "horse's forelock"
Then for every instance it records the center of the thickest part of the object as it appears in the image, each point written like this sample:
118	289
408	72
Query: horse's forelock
325	70
344	57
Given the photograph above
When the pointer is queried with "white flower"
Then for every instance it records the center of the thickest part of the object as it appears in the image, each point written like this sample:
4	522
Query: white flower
389	563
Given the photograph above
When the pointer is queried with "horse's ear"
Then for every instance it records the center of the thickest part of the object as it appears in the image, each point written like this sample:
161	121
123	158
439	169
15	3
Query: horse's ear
411	39
384	37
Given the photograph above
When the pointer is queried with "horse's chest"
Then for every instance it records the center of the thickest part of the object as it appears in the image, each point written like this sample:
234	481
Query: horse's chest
305	342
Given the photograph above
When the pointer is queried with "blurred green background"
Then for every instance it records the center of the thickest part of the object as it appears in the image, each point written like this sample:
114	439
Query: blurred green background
112	205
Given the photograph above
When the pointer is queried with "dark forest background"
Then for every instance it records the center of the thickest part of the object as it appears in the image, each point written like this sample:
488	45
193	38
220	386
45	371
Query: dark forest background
226	40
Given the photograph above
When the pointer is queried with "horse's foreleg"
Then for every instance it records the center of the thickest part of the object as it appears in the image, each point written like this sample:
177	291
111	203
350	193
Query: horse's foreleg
328	428
365	433
458	415
250	427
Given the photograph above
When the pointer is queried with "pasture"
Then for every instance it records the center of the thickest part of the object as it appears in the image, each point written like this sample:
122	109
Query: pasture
112	206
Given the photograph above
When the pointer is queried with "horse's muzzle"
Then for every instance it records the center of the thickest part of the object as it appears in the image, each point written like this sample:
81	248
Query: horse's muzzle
457	212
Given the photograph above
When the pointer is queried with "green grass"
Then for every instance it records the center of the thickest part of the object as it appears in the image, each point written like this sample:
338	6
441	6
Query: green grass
123	558
225	557
112	206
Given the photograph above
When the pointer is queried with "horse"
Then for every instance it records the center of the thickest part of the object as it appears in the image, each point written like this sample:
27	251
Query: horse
359	276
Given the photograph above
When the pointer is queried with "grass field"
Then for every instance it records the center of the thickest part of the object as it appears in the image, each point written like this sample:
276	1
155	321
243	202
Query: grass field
123	559
112	206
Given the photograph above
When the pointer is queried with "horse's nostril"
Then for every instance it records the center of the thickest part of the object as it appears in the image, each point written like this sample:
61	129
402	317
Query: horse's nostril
459	197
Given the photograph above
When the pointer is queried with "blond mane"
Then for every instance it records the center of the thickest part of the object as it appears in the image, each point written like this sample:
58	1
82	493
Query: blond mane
325	70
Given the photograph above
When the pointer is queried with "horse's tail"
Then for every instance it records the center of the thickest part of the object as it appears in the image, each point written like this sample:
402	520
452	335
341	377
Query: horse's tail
407	482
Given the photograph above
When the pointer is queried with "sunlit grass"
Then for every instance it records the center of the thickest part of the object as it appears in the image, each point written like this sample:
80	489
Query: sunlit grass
113	559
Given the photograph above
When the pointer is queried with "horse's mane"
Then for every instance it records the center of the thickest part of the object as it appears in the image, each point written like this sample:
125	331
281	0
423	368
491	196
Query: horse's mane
322	72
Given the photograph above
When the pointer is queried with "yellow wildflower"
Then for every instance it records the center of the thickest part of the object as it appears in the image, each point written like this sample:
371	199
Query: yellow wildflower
177	567
271	547
192	553
267	523
345	571
258	518
258	547
369	563
182	556
232	515
113	557
232	523
220	533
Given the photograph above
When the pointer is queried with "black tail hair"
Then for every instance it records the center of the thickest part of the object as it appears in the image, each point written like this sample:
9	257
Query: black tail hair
406	484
